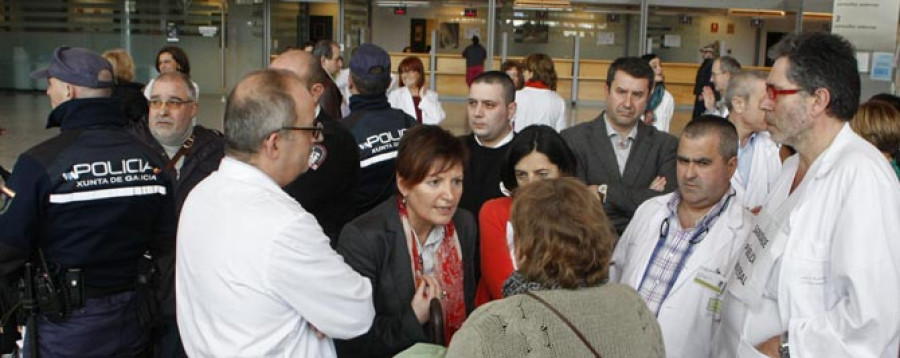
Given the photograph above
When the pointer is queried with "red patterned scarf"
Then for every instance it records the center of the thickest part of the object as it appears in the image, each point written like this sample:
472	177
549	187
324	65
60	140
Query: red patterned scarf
448	271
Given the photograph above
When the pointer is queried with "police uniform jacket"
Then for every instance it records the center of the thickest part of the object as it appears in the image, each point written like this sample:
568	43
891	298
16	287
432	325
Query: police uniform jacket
377	129
92	198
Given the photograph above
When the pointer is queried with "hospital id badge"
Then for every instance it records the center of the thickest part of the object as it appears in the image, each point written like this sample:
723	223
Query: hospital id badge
710	279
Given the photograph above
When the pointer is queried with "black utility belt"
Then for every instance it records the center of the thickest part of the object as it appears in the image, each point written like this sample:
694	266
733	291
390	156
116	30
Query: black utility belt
57	295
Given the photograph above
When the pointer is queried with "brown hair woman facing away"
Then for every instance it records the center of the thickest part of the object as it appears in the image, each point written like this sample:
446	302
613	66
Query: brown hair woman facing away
558	303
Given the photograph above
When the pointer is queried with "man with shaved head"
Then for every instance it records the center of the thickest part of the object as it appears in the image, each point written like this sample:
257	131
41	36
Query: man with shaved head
256	276
326	189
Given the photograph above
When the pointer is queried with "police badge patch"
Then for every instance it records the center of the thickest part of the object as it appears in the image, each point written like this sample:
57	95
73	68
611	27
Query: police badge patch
317	156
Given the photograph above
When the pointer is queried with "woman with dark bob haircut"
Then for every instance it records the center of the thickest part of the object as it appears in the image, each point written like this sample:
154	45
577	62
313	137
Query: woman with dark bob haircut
536	153
171	59
538	102
415	247
413	97
557	304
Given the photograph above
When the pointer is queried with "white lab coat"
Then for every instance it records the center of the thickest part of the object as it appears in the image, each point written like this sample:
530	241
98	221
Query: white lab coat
837	280
539	106
664	112
764	169
685	317
432	112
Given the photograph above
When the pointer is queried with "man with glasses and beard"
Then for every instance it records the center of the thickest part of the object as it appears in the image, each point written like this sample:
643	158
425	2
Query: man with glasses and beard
818	276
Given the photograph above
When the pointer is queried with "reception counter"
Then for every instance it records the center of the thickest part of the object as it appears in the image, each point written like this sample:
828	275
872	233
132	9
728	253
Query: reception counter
450	76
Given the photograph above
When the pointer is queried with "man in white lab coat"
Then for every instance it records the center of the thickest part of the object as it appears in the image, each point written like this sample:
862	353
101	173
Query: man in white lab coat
758	160
255	274
679	247
820	274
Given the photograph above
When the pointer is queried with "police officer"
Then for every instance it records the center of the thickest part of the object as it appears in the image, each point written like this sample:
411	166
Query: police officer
89	203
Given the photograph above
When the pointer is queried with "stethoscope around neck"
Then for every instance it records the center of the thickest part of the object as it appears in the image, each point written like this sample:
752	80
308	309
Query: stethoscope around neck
703	230
696	238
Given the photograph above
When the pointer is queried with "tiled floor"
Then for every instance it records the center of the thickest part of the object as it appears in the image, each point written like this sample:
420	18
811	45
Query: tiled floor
24	115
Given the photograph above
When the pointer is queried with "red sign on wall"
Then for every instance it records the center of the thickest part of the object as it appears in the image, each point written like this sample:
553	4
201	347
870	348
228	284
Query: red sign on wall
714	27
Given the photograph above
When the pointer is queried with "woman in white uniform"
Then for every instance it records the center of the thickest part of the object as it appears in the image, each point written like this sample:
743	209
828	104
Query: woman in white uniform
413	97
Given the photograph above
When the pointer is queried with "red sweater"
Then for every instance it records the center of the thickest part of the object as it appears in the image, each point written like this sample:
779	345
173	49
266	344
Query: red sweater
496	263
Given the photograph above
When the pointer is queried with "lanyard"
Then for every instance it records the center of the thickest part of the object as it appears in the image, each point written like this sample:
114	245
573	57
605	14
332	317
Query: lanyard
696	238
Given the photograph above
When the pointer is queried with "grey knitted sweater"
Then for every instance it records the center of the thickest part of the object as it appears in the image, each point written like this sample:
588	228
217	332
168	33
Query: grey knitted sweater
612	317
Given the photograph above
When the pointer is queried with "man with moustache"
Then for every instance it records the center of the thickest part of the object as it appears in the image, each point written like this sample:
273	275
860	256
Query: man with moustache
758	160
192	152
256	275
623	159
491	107
819	275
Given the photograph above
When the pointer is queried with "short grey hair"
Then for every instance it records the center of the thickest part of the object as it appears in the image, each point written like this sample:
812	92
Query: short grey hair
729	65
259	105
177	77
741	85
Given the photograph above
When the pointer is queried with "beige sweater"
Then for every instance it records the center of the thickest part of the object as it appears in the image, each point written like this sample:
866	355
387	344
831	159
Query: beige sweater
613	318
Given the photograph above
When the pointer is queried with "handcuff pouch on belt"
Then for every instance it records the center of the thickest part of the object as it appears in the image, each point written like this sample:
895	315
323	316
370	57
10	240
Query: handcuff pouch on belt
57	290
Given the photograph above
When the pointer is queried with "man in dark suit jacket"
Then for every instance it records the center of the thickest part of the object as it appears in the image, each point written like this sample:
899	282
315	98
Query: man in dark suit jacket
326	189
331	99
623	159
703	79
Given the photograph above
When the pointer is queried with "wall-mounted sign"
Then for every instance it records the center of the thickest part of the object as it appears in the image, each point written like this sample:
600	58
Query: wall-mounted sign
208	31
172	32
470	12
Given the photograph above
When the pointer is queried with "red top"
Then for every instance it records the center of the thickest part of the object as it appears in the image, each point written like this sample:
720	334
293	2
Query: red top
416	101
496	263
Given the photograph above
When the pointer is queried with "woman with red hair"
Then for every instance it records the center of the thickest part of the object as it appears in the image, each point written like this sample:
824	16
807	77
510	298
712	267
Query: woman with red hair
413	97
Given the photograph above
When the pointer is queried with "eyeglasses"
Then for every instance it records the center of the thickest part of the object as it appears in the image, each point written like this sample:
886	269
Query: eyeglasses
316	130
773	93
170	104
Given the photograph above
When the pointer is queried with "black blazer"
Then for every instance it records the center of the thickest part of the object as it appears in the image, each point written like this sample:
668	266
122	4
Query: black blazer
375	246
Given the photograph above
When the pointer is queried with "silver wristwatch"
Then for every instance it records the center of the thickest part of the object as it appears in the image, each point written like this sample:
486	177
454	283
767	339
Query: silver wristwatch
785	349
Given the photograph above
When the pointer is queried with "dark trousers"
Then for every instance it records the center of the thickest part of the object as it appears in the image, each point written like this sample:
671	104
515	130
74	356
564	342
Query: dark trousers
105	327
168	343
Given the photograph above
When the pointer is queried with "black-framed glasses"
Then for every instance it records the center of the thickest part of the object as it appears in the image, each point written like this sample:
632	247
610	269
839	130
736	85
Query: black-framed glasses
773	93
316	130
170	104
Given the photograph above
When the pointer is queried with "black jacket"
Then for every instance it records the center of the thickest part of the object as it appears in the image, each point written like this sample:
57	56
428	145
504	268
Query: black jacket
201	160
377	129
92	198
134	104
375	246
326	191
